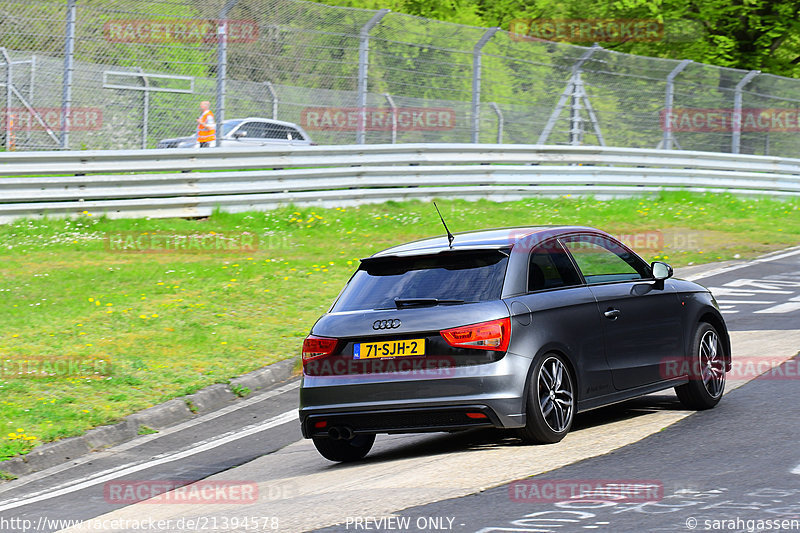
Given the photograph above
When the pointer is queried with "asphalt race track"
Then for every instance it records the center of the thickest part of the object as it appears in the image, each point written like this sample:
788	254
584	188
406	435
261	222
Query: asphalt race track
649	465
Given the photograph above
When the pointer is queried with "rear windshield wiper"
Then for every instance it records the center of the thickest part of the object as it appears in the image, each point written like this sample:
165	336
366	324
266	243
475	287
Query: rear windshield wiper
423	302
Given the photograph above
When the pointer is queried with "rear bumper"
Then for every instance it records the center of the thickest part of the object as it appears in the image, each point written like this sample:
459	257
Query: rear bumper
410	402
415	420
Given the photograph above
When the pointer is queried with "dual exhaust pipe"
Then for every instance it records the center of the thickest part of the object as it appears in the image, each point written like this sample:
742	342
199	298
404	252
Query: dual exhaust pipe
341	433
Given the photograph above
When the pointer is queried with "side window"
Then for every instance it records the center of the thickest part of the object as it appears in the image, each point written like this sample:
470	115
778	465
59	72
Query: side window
550	267
296	135
603	261
255	130
275	131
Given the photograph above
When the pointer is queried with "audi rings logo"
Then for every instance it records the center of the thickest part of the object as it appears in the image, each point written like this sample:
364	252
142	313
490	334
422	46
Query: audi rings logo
386	324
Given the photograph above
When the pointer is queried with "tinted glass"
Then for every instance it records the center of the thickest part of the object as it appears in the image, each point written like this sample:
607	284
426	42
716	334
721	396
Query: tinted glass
275	131
467	276
255	130
550	267
602	261
228	126
296	135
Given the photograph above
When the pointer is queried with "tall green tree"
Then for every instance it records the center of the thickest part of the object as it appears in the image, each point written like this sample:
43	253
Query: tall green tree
745	34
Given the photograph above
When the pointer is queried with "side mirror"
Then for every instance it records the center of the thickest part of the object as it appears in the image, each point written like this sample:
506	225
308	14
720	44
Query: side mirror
661	270
239	134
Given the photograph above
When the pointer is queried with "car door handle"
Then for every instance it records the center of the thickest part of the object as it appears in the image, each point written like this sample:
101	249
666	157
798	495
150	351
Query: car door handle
612	314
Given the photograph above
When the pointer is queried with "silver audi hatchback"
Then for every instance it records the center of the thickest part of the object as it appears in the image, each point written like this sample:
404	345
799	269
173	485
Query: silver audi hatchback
506	328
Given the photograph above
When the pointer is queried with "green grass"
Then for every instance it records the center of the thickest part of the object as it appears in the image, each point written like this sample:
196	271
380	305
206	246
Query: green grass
240	390
173	323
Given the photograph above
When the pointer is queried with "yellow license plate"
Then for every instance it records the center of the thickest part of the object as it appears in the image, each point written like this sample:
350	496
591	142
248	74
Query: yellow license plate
374	350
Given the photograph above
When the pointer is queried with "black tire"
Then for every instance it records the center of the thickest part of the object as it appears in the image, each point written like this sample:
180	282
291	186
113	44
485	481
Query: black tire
550	406
343	451
706	370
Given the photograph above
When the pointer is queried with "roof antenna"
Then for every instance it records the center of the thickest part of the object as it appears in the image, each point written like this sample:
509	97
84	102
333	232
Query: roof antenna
450	237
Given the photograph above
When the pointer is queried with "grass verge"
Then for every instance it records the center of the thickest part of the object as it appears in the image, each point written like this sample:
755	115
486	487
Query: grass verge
168	323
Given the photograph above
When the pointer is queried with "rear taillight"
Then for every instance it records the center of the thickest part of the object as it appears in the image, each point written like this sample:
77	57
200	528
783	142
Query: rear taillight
493	335
318	347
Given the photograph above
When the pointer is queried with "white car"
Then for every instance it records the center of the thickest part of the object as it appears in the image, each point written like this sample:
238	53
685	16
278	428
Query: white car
250	131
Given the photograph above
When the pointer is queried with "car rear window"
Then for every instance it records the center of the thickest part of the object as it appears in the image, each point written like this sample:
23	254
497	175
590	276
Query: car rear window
467	276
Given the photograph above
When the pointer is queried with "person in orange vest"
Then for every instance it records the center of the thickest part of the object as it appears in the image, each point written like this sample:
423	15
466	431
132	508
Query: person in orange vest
12	140
206	127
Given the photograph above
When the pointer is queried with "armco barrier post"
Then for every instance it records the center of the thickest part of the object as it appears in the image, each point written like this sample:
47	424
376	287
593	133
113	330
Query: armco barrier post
363	72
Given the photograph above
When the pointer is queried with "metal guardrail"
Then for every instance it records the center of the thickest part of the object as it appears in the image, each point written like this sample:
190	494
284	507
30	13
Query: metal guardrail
190	183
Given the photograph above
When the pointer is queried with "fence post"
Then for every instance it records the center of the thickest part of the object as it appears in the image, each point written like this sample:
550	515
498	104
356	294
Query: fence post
390	101
670	96
736	136
499	114
7	124
222	64
146	107
570	92
31	93
274	97
363	72
33	78
575	126
69	57
476	81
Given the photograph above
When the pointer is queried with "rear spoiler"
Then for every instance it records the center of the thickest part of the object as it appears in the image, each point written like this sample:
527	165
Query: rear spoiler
425	252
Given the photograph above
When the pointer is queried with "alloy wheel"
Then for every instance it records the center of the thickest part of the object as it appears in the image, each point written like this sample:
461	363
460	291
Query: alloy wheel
712	365
556	399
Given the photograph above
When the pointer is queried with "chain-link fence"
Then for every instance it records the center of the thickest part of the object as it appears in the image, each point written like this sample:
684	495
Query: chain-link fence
107	74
